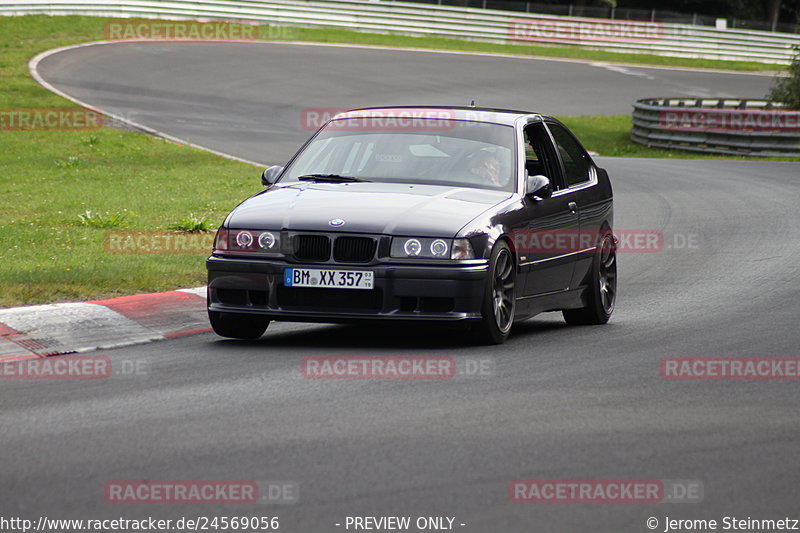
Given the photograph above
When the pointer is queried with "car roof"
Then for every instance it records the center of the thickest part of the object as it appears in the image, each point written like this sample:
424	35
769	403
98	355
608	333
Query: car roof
474	114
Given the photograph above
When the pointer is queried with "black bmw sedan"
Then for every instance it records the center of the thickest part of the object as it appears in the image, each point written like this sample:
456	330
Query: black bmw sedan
478	216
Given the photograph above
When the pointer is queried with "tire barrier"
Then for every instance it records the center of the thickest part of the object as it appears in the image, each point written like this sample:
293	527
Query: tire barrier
717	126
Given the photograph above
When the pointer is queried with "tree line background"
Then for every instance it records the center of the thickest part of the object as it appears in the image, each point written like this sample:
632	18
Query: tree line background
770	11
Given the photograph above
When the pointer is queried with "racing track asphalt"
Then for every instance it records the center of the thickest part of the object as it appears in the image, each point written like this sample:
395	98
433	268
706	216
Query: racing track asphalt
562	402
246	99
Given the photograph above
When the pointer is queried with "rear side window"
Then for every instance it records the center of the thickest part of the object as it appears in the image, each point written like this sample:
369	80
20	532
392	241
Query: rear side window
576	162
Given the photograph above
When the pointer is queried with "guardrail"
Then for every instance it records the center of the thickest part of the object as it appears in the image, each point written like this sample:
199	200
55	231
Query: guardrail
677	40
718	126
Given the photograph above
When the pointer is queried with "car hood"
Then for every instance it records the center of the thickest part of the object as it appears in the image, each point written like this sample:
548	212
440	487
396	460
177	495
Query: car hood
374	207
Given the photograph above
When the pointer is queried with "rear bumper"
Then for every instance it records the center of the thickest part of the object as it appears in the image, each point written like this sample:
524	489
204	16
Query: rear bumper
448	292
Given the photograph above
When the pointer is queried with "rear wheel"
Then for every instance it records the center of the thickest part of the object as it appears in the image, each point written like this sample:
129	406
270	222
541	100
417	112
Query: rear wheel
237	326
602	287
498	299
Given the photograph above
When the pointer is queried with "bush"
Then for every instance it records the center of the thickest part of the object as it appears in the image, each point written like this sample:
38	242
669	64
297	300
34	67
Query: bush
102	220
787	90
192	223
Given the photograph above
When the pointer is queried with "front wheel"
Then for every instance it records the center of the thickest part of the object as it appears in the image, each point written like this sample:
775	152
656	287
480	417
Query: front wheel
602	287
238	326
498	298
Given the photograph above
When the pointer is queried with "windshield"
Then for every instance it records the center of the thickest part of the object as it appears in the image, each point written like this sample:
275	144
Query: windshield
457	153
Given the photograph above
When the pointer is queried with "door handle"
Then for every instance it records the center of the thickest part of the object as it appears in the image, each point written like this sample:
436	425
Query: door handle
573	207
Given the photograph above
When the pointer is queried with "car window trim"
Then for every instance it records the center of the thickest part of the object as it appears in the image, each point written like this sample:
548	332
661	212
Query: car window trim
591	182
552	161
592	179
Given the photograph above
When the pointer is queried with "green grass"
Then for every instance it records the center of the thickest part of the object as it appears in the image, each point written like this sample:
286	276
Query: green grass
53	250
62	192
609	135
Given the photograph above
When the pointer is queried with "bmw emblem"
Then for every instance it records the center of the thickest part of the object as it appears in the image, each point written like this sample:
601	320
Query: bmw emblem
336	222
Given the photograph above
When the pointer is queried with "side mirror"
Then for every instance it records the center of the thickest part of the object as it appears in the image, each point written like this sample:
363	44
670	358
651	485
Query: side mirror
539	187
270	175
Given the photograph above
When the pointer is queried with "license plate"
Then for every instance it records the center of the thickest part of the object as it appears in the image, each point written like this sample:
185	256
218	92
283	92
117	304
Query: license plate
328	279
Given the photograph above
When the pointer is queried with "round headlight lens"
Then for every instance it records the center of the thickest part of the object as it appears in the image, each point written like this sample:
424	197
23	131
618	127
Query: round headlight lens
439	247
412	247
266	240
244	239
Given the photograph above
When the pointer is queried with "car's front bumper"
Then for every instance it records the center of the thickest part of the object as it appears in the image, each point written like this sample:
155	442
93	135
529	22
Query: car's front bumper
447	292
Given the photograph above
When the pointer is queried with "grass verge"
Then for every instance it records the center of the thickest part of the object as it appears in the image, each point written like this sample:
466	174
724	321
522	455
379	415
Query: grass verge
62	192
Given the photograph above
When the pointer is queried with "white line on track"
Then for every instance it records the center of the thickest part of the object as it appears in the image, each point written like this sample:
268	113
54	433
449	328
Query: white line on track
33	65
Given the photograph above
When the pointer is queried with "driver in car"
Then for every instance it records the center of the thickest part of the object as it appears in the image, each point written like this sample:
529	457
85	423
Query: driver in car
487	166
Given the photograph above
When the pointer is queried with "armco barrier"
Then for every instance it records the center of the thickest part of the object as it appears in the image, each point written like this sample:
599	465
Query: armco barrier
678	40
719	126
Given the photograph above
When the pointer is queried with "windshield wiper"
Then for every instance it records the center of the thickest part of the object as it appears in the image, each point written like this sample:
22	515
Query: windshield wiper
332	178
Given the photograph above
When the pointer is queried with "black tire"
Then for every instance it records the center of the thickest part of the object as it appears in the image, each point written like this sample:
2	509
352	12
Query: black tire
237	326
498	297
602	290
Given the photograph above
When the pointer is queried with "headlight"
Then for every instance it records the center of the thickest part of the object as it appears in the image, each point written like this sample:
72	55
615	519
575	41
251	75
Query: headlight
439	248
243	240
412	247
267	240
462	249
221	240
421	247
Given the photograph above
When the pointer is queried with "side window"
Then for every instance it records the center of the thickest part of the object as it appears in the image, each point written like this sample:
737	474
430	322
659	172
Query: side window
536	157
530	153
576	162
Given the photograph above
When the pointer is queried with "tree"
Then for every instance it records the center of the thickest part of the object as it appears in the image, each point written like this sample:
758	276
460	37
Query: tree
774	13
787	90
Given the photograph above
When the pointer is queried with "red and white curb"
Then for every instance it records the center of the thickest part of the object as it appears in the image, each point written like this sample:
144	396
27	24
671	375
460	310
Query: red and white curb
44	330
